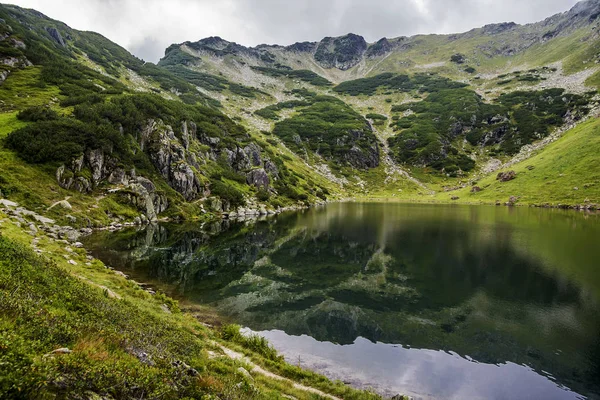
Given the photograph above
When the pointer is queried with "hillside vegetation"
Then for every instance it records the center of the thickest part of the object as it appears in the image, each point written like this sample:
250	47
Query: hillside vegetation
91	136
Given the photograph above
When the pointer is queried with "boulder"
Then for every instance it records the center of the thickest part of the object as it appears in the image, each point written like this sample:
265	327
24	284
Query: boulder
65	204
258	178
253	153
476	189
506	176
143	195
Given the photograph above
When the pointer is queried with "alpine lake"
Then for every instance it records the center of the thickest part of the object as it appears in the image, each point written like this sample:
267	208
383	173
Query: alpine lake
430	301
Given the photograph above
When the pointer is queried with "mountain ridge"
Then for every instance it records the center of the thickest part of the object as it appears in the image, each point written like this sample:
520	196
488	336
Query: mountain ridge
337	118
582	13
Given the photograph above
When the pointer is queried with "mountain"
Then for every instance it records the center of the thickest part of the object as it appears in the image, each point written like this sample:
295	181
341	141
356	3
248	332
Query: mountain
93	137
446	109
216	127
82	117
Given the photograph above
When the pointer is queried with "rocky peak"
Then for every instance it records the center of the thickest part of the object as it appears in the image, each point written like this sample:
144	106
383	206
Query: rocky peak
342	52
585	9
379	48
302	47
494	29
214	42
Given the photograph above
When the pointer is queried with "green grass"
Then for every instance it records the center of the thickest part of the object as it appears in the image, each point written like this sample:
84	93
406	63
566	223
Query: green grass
122	341
551	175
23	89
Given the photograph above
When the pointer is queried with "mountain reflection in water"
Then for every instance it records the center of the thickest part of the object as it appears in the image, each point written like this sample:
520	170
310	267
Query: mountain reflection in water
512	293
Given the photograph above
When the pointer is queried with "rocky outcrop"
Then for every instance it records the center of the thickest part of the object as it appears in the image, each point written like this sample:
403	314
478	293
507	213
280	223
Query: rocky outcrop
343	52
56	36
142	193
302	47
363	152
87	171
379	49
506	176
3	75
363	158
258	178
171	158
15	62
495	29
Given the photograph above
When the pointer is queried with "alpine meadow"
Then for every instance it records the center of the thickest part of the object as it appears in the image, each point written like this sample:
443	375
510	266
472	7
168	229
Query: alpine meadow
416	217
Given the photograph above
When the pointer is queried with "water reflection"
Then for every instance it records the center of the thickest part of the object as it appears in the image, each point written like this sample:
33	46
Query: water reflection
502	286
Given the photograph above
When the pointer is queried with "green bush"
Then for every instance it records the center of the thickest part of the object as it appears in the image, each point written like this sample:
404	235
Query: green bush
34	114
328	126
301	74
228	193
402	83
263	195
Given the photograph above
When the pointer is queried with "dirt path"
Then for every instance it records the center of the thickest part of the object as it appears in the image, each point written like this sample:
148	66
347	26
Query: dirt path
234	355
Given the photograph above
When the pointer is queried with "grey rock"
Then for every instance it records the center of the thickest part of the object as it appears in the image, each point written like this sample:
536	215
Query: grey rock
253	153
342	52
56	36
271	168
62	350
95	160
65	204
3	75
143	195
8	203
506	176
242	371
258	178
170	159
379	49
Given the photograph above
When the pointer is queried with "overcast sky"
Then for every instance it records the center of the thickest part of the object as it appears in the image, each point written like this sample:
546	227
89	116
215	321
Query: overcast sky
147	27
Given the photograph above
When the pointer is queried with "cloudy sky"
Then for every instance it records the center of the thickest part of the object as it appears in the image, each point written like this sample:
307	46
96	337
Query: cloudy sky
147	27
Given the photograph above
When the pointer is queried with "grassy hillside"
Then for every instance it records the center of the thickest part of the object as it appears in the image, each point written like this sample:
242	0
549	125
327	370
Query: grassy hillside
71	327
82	111
566	172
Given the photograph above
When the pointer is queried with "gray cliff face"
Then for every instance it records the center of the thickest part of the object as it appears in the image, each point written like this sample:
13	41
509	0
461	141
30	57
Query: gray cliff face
178	159
56	36
258	178
342	52
172	160
363	158
88	171
379	48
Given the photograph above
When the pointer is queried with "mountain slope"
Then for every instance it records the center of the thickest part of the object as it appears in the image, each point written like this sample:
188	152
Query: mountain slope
444	107
134	139
219	128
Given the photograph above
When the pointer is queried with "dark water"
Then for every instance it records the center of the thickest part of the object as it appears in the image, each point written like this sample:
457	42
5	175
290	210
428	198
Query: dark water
432	301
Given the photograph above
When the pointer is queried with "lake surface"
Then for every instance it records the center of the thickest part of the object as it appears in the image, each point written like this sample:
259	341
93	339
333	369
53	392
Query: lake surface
433	301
